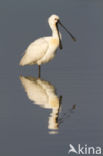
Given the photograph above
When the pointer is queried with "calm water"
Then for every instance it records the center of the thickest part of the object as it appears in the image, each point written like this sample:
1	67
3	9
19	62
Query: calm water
76	74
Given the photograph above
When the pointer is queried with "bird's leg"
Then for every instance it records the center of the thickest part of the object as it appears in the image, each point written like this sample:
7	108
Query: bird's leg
39	71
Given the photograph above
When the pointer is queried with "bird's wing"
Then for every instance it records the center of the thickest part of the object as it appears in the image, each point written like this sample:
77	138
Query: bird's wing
35	51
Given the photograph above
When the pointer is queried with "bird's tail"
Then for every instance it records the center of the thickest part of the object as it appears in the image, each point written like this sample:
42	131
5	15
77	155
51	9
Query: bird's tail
24	60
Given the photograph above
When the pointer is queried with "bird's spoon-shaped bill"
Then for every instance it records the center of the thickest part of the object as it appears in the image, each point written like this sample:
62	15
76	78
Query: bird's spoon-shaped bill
60	43
73	38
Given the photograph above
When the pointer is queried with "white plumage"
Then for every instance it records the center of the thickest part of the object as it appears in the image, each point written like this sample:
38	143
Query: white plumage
43	49
35	52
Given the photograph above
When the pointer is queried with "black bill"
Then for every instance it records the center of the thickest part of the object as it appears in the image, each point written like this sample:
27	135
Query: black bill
73	38
60	43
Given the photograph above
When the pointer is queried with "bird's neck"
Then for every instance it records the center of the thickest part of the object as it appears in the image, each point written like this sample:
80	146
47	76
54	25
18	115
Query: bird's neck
55	32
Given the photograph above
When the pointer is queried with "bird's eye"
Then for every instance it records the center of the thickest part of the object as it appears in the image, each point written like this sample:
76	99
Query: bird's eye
56	19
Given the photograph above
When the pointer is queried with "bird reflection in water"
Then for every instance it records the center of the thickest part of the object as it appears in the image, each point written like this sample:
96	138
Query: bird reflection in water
43	93
67	114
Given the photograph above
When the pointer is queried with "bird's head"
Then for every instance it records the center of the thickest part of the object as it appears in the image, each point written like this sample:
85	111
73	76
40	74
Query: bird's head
53	20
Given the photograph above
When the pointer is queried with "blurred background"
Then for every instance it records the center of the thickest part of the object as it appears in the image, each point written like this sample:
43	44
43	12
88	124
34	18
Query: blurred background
76	73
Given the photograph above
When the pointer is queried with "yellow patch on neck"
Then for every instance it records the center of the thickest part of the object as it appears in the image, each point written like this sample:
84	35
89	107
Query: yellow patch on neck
54	102
54	41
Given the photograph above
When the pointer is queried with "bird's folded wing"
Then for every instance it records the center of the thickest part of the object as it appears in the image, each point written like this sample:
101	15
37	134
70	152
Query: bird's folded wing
35	51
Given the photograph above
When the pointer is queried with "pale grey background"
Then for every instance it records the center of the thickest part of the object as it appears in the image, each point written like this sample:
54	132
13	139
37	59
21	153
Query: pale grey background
76	72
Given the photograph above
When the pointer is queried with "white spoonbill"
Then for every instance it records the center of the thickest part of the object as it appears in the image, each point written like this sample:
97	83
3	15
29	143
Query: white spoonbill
44	49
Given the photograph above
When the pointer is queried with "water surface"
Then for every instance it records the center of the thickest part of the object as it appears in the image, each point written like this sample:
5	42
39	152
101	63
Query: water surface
76	74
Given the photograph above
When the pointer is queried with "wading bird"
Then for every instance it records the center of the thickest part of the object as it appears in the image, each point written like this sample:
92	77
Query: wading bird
44	49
